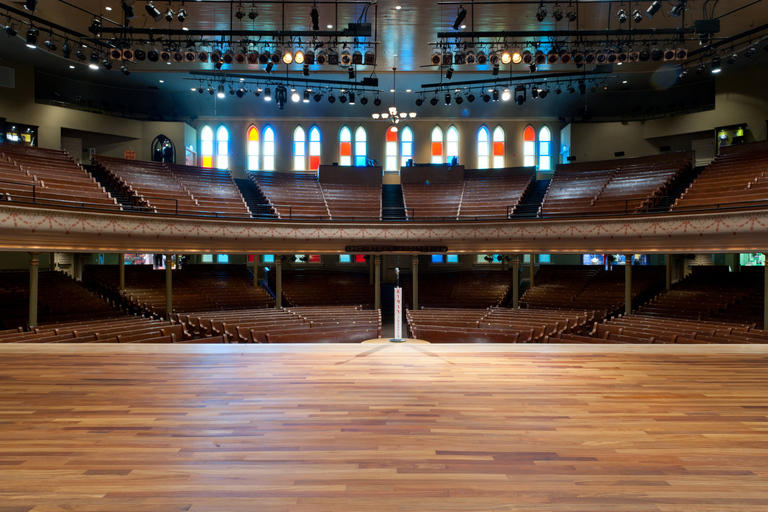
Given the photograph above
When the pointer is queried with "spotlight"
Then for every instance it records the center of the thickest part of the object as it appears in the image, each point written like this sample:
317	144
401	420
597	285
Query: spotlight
32	38
447	98
351	73
541	14
351	97
66	50
486	97
495	94
281	96
557	13
558	90
269	67
153	12
257	92
482	59
295	97
534	92
306	96
657	55
751	50
315	16
298	57
683	73
211	91
419	102
140	54
342	98
678	9
637	16
520	94
50	43
153	55
506	95
10	30
287	57
543	93
653	9
267	94
128	12
516	57
169	14
240	92
571	89
95	27
470	97
220	93
364	100
532	68
317	97
94	62
716	68
239	14
732	58
80	55
462	13
252	14
449	73
622	15
107	65
495	71
433	101
377	101
331	99
124	70
305	70
570	14
30	5
458	99
182	15
200	89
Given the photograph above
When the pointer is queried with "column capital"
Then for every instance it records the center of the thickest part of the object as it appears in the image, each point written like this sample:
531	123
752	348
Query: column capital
377	259
34	258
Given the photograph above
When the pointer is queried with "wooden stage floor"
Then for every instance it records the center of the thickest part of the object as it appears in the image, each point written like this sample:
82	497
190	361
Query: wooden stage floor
390	427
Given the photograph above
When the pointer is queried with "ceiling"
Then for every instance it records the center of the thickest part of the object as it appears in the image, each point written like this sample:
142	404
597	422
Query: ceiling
404	34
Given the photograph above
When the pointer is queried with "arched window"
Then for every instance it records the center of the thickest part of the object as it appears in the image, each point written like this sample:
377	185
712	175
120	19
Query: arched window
361	147
345	146
498	147
269	148
206	146
483	147
253	148
314	148
390	149
529	147
452	148
299	149
437	145
222	148
406	146
545	149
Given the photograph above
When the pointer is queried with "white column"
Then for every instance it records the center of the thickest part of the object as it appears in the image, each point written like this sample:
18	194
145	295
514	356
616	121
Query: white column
278	281
515	281
415	303
628	284
34	267
168	287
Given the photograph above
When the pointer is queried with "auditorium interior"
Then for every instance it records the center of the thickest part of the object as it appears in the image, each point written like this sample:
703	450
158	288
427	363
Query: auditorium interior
386	255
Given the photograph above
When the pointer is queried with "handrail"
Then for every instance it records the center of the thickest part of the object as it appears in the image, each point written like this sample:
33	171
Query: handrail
22	183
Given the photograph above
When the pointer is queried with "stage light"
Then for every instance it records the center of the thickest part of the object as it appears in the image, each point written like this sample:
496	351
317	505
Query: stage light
732	58
656	55
281	96
153	12
342	97
637	16
506	95
94	62
269	67
470	97
506	57
419	102
495	70
124	70
351	97
182	15
220	92
462	13
482	59
66	50
495	94
287	57
449	73
558	90
486	97
582	88
678	9
295	96
200	89
447	98
543	93
10	30
458	99
516	57
534	92
50	43
95	27
331	99
622	15
364	100
571	89
32	38
351	73
315	16
653	9
317	97
541	13
153	55
750	51
169	14
557	13
267	94
30	5
252	14
570	14
716	68
240	92
377	101
298	57
107	65
520	94
211	90
305	70
433	101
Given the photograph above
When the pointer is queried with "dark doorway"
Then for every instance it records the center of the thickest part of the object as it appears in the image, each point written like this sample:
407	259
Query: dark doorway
163	150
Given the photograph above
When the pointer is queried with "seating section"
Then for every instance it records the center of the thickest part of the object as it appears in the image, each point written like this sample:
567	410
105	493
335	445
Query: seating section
352	201
60	299
168	188
292	195
494	325
464	289
710	293
432	200
625	186
56	177
592	287
486	195
195	287
325	288
287	325
734	177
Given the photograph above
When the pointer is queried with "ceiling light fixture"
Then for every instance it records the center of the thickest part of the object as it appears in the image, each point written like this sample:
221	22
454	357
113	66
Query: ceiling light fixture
392	114
461	14
315	16
541	13
653	9
32	38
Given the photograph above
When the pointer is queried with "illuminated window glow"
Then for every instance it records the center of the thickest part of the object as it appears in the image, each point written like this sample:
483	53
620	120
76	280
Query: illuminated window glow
253	149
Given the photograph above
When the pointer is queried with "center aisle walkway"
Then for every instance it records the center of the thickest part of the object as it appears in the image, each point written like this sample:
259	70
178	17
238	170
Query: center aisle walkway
388	427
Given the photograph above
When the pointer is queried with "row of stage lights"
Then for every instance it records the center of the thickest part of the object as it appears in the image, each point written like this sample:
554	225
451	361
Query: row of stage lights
623	15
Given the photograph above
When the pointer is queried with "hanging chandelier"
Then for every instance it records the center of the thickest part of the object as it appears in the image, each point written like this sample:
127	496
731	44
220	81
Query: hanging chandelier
392	115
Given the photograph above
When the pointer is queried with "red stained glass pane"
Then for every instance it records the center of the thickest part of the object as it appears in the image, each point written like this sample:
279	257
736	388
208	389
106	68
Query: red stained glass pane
437	149
391	135
207	161
314	163
250	258
314	258
529	135
346	149
359	258
498	149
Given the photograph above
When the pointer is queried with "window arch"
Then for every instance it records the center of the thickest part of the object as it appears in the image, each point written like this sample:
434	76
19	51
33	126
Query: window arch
390	149
406	145
529	147
269	148
483	147
345	146
222	147
314	148
253	148
299	149
437	145
206	146
498	147
361	147
452	146
545	149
